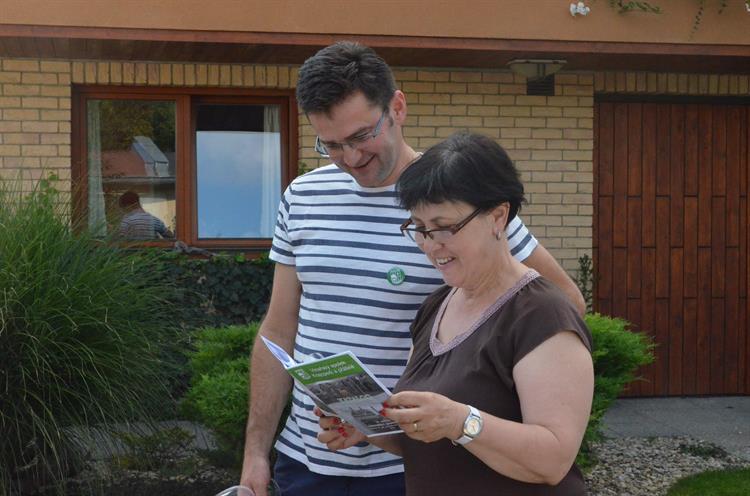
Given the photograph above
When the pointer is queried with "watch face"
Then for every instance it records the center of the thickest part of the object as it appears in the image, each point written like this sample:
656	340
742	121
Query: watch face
473	427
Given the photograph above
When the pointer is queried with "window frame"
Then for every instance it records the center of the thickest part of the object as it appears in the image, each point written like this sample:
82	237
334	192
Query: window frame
186	101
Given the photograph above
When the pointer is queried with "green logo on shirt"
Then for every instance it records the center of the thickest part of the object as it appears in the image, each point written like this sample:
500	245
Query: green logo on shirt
396	276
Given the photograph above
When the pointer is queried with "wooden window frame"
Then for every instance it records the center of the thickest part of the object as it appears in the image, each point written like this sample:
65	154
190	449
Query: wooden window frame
186	101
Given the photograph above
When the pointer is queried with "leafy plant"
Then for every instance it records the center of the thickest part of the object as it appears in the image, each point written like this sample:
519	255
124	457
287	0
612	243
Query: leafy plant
221	290
585	280
85	337
624	6
629	5
618	353
218	396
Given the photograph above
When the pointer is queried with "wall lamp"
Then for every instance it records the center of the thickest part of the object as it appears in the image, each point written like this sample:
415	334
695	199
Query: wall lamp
535	69
579	8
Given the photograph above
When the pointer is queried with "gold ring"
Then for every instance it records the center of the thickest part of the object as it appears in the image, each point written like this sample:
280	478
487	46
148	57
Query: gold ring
416	426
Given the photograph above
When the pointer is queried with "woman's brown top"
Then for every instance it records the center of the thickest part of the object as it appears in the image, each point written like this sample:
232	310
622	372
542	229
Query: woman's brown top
476	368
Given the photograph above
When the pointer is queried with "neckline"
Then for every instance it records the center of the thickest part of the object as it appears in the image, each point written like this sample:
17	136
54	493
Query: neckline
437	347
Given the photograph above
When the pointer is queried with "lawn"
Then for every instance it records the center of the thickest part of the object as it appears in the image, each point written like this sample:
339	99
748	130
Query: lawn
734	482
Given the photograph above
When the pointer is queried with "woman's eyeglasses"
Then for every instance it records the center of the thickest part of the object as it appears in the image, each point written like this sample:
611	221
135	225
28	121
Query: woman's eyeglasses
439	235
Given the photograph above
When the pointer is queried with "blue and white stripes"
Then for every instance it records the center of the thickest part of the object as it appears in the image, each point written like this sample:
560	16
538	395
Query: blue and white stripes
343	240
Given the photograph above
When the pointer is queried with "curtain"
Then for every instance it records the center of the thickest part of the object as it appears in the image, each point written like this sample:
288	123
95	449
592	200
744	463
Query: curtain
97	218
271	177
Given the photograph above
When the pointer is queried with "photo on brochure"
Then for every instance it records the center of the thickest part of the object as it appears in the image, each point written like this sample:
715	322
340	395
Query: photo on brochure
343	386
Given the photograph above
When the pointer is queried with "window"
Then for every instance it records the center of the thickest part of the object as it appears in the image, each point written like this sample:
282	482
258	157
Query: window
206	167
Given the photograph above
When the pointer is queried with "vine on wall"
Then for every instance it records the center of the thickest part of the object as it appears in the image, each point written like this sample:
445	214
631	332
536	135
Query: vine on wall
624	6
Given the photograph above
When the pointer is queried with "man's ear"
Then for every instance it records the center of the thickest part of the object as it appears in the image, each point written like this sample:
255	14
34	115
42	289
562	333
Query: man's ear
398	107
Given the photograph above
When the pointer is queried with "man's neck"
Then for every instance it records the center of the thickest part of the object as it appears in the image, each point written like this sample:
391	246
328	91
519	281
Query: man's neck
407	157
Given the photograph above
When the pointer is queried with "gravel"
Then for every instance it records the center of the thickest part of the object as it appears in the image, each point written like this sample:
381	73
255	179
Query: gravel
649	466
625	467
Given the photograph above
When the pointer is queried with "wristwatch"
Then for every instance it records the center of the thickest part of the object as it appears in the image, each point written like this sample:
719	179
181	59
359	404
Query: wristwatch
472	427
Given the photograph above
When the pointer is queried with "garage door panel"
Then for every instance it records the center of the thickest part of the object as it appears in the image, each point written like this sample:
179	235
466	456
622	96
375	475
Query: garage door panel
692	172
662	149
648	176
718	351
731	333
635	150
718	246
677	173
705	154
674	224
719	159
690	344
634	270
690	267
605	136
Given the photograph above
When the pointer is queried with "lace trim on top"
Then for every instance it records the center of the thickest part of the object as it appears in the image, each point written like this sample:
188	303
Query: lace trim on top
438	348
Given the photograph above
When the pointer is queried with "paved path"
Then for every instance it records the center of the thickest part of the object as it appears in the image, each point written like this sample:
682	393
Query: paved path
721	420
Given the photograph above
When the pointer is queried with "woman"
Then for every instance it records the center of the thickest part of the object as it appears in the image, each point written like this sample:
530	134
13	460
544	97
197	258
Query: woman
496	395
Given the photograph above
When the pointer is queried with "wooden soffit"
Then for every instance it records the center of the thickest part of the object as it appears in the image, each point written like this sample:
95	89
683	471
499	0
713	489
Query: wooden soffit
90	43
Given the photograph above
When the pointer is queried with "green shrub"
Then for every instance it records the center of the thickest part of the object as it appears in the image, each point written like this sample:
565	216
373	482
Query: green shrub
86	337
218	395
618	353
584	279
219	291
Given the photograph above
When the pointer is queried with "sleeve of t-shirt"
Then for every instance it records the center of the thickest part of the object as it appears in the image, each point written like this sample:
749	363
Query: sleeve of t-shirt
161	228
281	247
546	313
520	240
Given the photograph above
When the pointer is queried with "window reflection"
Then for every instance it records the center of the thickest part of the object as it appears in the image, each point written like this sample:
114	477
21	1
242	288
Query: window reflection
131	168
238	150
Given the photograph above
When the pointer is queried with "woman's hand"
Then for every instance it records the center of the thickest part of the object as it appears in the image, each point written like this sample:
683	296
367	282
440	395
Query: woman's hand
337	434
426	417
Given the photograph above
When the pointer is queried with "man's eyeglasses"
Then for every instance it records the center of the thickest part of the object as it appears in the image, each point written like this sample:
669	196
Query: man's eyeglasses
327	149
439	235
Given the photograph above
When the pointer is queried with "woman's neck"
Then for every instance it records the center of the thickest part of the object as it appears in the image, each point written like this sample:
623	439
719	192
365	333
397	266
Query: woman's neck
500	278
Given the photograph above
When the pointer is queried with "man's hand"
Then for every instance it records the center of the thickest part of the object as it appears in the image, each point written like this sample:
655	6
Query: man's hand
256	474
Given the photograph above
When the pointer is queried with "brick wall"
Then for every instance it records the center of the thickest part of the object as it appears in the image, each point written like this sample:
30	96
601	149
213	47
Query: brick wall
35	119
550	138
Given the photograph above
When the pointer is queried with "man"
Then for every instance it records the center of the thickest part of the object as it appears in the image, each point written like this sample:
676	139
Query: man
137	224
345	278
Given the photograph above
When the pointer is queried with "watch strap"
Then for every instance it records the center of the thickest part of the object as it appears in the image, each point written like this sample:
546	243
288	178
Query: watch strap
465	437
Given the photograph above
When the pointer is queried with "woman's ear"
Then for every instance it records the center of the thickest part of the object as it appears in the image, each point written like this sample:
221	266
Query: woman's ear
500	214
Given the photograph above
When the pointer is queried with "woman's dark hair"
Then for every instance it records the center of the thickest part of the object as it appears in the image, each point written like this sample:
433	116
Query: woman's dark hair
466	167
338	71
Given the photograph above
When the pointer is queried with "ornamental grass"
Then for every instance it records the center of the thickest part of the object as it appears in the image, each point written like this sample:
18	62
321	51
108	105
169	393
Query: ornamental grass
87	339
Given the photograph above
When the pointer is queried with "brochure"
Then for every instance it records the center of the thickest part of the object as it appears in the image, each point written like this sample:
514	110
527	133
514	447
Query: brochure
342	386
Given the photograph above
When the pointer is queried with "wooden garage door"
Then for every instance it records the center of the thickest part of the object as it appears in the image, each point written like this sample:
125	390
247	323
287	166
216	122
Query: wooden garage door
670	238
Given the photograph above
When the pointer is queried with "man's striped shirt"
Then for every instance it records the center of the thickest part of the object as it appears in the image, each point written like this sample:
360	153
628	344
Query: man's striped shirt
344	241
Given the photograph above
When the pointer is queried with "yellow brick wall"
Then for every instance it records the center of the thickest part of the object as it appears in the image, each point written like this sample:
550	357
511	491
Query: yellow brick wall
35	119
550	138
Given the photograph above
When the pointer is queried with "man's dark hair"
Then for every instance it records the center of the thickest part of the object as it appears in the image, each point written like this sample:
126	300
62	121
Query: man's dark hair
466	167
338	71
129	199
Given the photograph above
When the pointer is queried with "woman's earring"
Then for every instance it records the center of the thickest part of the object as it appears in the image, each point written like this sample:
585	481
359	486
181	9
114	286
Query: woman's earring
498	234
